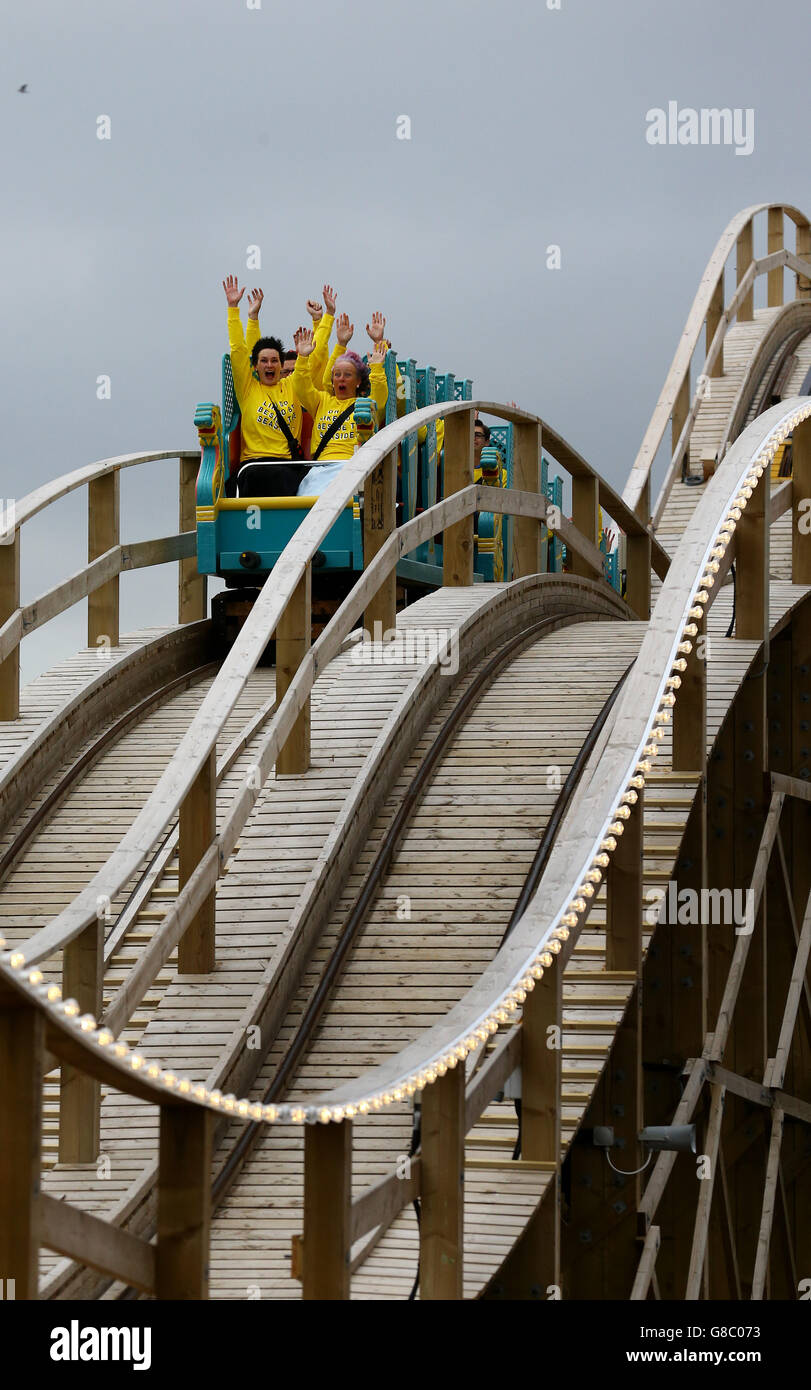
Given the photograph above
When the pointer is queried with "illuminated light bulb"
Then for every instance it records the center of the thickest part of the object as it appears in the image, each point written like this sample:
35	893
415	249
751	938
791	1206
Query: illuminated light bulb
690	630
461	1051
36	977
735	513
637	781
657	733
255	1111
216	1097
536	971
87	1023
511	1003
502	1015
631	797
586	890
527	983
298	1116
554	947
685	648
16	960
430	1072
545	959
153	1071
577	905
410	1088
702	596
170	1081
562	933
718	551
398	1093
569	919
71	1008
363	1107
441	1068
617	828
472	1042
104	1038
662	716
674	683
624	812
481	1033
608	843
53	993
242	1107
338	1112
521	994
229	1103
386	1098
669	700
680	664
594	875
451	1060
200	1093
136	1061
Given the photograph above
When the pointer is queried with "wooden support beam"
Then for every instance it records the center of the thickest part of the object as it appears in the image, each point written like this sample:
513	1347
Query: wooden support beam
9	603
647	1265
103	533
714	316
442	1218
728	1230
527	478
191	586
379	520
681	409
638	560
775	243
80	1094
585	514
744	259
690	709
752	601
98	1244
184	1202
801	504
293	637
540	1115
777	1072
713	1138
767	1211
327	1210
197	949
21	1064
803	249
457	544
624	896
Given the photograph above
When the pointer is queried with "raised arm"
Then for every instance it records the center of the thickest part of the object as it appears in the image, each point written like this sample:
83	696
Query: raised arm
377	376
240	357
306	394
323	328
252	334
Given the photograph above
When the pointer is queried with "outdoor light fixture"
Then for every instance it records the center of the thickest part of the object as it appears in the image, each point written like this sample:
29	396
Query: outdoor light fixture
671	1138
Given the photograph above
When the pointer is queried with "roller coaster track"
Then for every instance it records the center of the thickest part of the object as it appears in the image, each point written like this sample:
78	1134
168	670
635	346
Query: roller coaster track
455	868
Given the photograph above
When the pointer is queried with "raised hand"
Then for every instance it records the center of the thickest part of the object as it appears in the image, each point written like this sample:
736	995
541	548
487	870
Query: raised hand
379	354
232	291
377	327
315	310
330	298
303	341
343	329
255	303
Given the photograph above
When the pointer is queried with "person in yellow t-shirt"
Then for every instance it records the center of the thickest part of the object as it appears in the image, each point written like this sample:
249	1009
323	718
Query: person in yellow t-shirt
334	438
271	414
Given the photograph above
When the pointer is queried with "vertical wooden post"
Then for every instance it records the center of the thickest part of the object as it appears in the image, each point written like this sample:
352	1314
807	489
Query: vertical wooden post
681	409
752	540
103	532
457	546
327	1210
441	1186
744	258
379	518
184	1202
775	243
80	1094
803	249
21	1065
638	557
9	603
196	952
690	709
293	636
623	879
624	901
527	478
714	316
585	516
698	1254
540	1112
191	586
801	504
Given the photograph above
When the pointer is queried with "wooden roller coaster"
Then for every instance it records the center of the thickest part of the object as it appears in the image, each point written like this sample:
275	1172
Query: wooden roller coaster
369	975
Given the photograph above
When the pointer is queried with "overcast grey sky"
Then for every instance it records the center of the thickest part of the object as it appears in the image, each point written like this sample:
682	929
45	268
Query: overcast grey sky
276	126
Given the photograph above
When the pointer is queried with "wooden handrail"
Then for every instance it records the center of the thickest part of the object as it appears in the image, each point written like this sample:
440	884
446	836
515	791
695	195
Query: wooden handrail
48	493
700	311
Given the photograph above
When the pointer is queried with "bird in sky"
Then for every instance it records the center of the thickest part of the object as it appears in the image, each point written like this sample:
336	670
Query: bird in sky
23	88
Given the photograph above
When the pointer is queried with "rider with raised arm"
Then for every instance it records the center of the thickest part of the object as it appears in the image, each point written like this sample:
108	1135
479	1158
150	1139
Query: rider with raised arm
271	414
335	438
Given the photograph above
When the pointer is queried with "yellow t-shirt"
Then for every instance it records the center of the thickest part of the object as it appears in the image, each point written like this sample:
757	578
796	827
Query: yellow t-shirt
324	408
